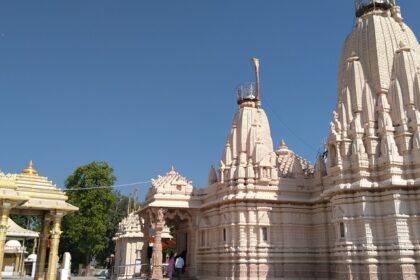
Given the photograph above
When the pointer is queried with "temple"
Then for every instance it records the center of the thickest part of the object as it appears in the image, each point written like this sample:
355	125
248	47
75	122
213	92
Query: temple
28	193
15	262
267	213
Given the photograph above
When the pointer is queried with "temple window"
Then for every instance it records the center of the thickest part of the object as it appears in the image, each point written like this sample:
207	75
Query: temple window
264	234
202	238
342	230
264	172
332	156
224	235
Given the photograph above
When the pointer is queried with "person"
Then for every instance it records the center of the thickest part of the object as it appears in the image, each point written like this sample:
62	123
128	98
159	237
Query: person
184	257
179	265
171	265
110	265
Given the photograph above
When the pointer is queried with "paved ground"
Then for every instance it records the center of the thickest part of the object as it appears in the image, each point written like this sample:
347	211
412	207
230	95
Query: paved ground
72	278
99	278
86	278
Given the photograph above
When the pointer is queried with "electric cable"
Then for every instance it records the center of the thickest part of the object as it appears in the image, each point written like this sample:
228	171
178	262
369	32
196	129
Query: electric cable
107	187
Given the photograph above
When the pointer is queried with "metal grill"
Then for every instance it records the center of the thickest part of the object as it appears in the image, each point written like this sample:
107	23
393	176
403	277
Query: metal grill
246	92
363	6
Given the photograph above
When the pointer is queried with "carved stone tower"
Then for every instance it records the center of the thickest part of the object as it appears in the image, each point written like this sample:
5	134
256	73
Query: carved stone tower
374	147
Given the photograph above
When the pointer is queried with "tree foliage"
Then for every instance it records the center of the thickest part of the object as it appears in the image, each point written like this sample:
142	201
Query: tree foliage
28	222
86	233
119	212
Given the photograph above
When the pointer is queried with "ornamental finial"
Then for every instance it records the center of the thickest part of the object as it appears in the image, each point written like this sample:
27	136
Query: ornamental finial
30	169
283	145
250	92
256	62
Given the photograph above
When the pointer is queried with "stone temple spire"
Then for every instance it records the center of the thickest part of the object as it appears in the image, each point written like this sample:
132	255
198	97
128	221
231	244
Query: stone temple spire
378	107
248	155
365	6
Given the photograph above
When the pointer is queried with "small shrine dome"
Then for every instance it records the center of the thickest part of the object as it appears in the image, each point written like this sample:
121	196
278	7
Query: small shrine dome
13	244
31	258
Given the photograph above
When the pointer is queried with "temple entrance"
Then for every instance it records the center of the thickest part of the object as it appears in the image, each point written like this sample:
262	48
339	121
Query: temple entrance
182	244
170	201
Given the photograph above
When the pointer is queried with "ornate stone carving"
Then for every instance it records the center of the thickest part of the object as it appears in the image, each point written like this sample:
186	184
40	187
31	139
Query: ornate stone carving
349	215
157	217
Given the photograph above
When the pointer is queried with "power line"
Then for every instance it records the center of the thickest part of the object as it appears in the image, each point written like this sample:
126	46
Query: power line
288	128
108	187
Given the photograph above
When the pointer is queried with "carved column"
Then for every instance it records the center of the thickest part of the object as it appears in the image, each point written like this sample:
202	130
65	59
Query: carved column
43	237
192	243
191	251
4	216
17	263
55	241
159	219
145	261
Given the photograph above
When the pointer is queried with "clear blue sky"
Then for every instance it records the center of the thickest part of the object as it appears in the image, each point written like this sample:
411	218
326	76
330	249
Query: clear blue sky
145	85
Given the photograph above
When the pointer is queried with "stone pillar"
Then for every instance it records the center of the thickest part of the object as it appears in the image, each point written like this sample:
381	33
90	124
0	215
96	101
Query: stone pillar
43	237
145	268
55	241
35	246
191	252
17	263
4	216
157	244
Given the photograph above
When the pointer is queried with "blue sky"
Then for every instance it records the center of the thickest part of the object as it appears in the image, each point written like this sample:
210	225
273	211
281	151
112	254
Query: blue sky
144	85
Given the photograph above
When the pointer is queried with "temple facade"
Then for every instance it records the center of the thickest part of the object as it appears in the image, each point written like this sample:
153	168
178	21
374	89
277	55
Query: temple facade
28	193
128	245
267	213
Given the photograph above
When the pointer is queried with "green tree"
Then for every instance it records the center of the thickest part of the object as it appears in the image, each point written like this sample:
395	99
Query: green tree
86	232
124	205
28	222
119	212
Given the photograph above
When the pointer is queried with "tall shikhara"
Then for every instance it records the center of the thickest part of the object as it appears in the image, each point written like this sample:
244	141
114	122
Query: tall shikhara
267	213
378	100
372	172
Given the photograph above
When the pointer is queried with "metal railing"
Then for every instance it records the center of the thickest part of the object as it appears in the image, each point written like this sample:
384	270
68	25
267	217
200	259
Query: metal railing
363	6
246	92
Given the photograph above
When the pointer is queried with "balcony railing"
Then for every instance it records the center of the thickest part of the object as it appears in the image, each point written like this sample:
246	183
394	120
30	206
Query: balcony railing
363	6
246	92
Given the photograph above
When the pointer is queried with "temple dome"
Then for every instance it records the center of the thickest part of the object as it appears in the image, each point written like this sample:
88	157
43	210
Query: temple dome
249	142
380	55
291	165
130	226
374	42
378	95
171	183
13	244
31	258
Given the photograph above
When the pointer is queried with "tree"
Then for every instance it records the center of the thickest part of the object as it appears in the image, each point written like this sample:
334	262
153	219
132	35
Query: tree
119	212
86	232
123	207
28	222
